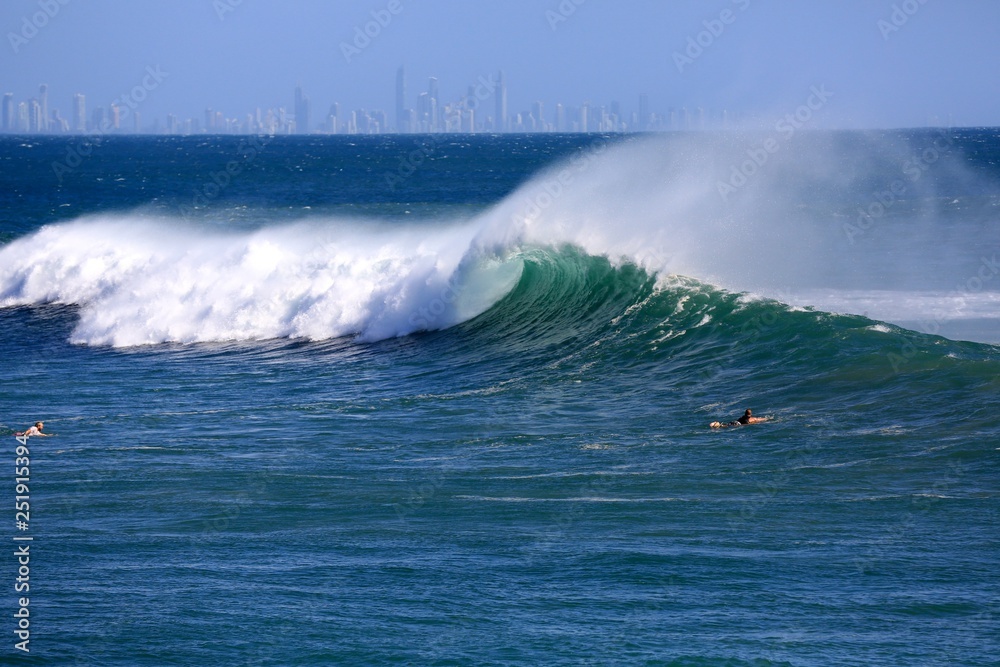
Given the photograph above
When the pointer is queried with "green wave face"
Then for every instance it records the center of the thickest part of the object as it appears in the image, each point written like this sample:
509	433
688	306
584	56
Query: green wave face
574	317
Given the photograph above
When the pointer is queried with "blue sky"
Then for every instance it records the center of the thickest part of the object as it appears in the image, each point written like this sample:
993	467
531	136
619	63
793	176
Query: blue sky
886	63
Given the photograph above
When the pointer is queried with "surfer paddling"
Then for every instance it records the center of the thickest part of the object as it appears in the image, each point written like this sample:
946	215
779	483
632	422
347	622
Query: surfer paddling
35	430
742	421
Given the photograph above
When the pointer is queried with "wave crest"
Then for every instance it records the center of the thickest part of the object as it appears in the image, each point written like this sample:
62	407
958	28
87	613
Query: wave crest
141	281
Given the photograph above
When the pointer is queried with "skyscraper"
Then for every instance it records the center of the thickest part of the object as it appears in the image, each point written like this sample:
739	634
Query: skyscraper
500	97
434	103
8	112
23	123
401	115
538	113
302	108
35	118
643	112
332	119
43	102
423	113
99	120
79	113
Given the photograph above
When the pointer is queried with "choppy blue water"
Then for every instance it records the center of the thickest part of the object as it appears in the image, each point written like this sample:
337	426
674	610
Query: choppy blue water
445	401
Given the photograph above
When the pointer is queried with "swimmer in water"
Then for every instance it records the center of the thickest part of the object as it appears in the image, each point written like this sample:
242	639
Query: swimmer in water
747	418
35	430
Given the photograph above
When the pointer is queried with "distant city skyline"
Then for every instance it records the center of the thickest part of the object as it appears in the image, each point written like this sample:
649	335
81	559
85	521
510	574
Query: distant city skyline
420	113
885	63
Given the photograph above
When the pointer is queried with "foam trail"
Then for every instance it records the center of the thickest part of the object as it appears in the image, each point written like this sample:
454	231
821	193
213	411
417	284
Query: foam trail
146	281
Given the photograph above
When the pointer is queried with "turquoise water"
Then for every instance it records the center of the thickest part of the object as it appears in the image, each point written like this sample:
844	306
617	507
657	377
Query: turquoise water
329	417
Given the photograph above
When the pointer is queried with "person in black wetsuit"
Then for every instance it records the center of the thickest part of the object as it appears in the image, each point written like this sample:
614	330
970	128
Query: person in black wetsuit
747	418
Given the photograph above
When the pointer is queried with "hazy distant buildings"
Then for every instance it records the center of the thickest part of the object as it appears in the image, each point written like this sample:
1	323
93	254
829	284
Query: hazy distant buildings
402	117
43	103
332	119
8	112
302	108
434	105
99	120
22	122
538	117
427	112
36	118
423	112
500	99
79	113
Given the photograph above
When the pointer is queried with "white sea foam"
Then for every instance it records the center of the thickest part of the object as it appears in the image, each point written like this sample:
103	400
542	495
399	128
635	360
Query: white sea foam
141	281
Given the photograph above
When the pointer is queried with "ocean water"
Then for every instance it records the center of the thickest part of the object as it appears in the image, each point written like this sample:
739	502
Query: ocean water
445	400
